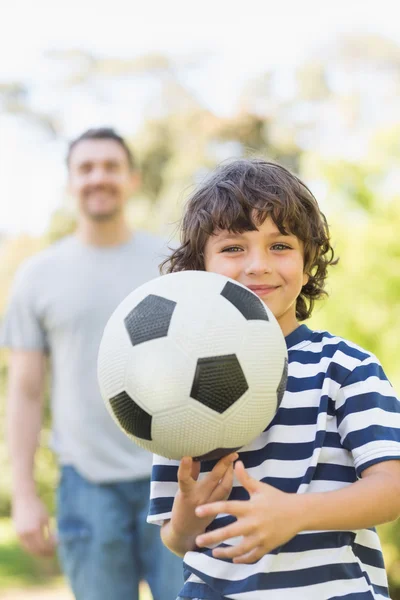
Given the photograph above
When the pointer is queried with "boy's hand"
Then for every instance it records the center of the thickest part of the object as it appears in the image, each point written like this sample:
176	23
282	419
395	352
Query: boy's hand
213	487
267	520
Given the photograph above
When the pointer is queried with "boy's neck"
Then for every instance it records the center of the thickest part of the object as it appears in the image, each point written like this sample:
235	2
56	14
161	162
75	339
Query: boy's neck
288	323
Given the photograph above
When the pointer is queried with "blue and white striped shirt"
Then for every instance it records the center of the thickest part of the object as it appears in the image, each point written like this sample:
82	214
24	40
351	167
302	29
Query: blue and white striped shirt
339	415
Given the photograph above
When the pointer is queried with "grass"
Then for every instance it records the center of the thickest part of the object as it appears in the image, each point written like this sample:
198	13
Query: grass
19	569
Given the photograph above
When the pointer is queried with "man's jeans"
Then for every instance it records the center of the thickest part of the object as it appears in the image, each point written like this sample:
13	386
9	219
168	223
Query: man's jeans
105	545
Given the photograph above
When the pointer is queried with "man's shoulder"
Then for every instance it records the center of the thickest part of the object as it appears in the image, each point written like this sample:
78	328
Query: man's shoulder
152	243
46	259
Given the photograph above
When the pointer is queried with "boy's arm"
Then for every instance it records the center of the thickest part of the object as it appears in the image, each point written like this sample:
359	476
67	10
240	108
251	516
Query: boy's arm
370	501
271	517
178	544
24	420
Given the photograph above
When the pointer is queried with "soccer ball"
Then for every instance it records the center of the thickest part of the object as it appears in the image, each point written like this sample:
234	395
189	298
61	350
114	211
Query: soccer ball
192	364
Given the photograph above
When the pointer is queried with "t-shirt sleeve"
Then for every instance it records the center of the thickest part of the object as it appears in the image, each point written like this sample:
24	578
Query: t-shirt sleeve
22	328
368	415
164	486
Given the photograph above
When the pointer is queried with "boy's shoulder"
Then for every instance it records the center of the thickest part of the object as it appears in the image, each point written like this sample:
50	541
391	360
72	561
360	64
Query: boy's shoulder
326	349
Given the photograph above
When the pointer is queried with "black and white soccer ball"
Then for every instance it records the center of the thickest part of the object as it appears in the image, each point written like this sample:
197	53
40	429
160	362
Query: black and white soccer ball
192	364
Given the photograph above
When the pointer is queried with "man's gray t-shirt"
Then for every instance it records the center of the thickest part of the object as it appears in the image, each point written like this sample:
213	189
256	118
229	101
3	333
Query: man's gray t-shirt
60	303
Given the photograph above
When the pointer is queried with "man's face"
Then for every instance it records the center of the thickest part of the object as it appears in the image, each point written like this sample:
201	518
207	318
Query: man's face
100	178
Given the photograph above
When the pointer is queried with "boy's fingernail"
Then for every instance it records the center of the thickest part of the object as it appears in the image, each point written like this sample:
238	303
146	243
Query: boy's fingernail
198	511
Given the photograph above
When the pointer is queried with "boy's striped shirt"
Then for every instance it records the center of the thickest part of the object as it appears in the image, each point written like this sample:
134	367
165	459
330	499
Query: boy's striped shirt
339	415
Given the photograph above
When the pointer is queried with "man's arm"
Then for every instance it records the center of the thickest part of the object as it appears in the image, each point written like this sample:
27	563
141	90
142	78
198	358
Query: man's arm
24	421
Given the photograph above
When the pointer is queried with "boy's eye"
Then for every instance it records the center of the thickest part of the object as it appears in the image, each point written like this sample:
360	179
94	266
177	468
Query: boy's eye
280	247
232	249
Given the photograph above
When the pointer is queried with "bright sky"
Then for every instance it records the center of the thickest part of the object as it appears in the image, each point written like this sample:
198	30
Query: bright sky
242	39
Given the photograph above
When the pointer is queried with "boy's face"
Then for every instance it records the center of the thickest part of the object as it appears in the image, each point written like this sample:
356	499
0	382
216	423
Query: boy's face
265	261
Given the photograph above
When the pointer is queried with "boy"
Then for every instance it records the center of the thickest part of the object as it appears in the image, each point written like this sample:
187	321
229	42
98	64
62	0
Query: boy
294	517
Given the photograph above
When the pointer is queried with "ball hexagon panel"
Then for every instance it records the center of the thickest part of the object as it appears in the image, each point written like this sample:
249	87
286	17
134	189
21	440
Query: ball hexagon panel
150	319
186	427
159	375
112	359
216	327
247	303
262	358
247	419
131	417
188	284
219	382
262	354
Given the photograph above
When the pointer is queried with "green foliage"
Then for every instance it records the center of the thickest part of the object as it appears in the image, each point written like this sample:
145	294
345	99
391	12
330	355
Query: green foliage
364	307
365	285
62	223
19	569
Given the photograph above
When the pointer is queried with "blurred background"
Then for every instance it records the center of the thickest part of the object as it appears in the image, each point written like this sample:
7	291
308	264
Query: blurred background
314	85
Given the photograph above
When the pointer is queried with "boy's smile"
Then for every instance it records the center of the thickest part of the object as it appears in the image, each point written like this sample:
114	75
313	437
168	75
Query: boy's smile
262	290
267	262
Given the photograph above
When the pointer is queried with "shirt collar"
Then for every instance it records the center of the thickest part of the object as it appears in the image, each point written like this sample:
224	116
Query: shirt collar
300	334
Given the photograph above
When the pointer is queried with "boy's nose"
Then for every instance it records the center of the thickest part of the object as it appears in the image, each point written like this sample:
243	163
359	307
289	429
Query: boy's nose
259	265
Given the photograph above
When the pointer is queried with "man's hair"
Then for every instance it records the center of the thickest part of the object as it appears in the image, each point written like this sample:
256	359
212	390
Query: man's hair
101	133
239	196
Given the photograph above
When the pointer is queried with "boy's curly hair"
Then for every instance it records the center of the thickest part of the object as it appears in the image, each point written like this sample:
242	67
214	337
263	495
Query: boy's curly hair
239	196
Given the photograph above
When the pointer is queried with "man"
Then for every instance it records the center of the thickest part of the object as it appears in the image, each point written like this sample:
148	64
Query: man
60	303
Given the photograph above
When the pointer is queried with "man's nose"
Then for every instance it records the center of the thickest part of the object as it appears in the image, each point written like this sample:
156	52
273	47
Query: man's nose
97	176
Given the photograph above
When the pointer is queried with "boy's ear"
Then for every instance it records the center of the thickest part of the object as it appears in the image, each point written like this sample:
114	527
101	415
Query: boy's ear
306	278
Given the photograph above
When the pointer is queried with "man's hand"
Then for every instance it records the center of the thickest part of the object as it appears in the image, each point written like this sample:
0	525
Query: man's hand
267	520
32	525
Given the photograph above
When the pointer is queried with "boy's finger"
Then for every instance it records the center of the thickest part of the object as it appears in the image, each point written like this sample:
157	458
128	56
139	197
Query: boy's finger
185	474
237	508
250	557
220	468
249	483
224	487
247	547
217	536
